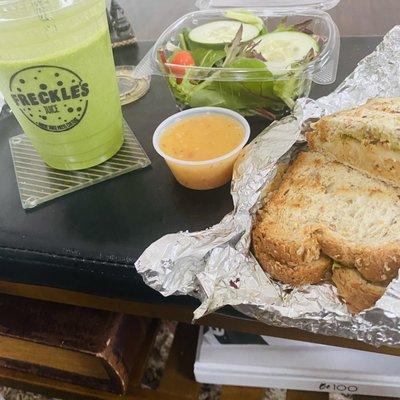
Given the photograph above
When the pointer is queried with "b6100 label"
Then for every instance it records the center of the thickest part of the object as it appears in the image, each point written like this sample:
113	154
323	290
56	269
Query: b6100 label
338	387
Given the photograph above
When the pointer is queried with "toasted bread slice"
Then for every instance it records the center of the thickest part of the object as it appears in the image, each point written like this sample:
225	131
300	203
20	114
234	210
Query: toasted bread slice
358	293
324	208
272	186
366	138
294	274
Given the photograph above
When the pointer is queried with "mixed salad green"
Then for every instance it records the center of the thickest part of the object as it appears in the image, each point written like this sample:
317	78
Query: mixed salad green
238	64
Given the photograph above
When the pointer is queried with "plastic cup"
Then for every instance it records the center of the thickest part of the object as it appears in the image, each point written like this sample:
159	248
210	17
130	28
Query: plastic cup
57	74
208	174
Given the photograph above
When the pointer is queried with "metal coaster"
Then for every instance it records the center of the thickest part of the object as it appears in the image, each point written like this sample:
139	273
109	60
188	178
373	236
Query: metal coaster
39	183
131	88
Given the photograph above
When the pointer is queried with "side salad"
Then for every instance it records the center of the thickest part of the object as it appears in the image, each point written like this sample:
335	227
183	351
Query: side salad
237	63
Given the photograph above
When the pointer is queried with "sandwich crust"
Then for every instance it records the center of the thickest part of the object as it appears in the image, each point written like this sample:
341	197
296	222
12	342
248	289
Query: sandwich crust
358	293
295	274
375	263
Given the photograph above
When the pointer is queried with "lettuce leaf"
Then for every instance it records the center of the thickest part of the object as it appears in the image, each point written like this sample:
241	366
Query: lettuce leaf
247	17
207	57
249	93
304	26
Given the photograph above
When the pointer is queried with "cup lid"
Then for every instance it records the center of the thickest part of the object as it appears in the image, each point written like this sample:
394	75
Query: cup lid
131	88
274	4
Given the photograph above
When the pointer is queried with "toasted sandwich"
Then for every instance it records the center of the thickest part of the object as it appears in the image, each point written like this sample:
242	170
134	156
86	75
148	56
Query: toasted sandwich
322	211
366	138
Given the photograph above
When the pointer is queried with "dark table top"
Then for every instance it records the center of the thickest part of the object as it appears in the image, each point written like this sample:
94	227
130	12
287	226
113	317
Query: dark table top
88	241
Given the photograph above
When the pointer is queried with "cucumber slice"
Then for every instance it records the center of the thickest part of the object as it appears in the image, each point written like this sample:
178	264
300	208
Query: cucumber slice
219	33
282	49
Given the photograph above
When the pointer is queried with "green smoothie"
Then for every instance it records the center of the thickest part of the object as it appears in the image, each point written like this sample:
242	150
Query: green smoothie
67	100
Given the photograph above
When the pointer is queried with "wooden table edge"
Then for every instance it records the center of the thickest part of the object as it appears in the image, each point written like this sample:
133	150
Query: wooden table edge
181	314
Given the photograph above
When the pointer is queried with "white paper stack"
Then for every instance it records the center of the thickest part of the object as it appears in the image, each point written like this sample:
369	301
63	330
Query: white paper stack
232	358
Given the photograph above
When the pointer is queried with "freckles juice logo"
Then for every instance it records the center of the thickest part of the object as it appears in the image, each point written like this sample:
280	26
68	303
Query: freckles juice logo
53	98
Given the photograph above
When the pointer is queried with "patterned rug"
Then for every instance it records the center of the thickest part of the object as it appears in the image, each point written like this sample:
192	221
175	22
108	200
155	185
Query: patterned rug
209	392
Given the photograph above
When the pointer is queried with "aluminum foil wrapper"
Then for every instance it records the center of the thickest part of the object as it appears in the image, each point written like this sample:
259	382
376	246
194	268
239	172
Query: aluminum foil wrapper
216	265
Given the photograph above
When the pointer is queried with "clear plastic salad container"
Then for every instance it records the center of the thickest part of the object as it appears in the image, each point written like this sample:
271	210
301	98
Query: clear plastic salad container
256	61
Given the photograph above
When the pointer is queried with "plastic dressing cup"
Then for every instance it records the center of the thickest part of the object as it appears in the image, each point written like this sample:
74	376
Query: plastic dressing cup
206	174
57	74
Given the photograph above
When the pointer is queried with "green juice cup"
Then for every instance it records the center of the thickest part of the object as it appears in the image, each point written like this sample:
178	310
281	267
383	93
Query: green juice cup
57	74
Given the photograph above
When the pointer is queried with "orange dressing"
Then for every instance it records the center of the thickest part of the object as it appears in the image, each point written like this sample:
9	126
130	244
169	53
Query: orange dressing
202	137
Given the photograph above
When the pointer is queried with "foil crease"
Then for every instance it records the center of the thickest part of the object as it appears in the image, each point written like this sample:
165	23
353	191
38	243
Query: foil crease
216	265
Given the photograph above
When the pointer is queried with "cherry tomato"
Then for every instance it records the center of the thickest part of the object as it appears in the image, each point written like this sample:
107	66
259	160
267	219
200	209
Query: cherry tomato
180	61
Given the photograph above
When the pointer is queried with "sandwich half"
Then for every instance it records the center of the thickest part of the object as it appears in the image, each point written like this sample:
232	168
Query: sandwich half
325	210
366	138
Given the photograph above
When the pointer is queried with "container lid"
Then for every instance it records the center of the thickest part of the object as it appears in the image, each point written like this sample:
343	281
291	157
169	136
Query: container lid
131	88
276	4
